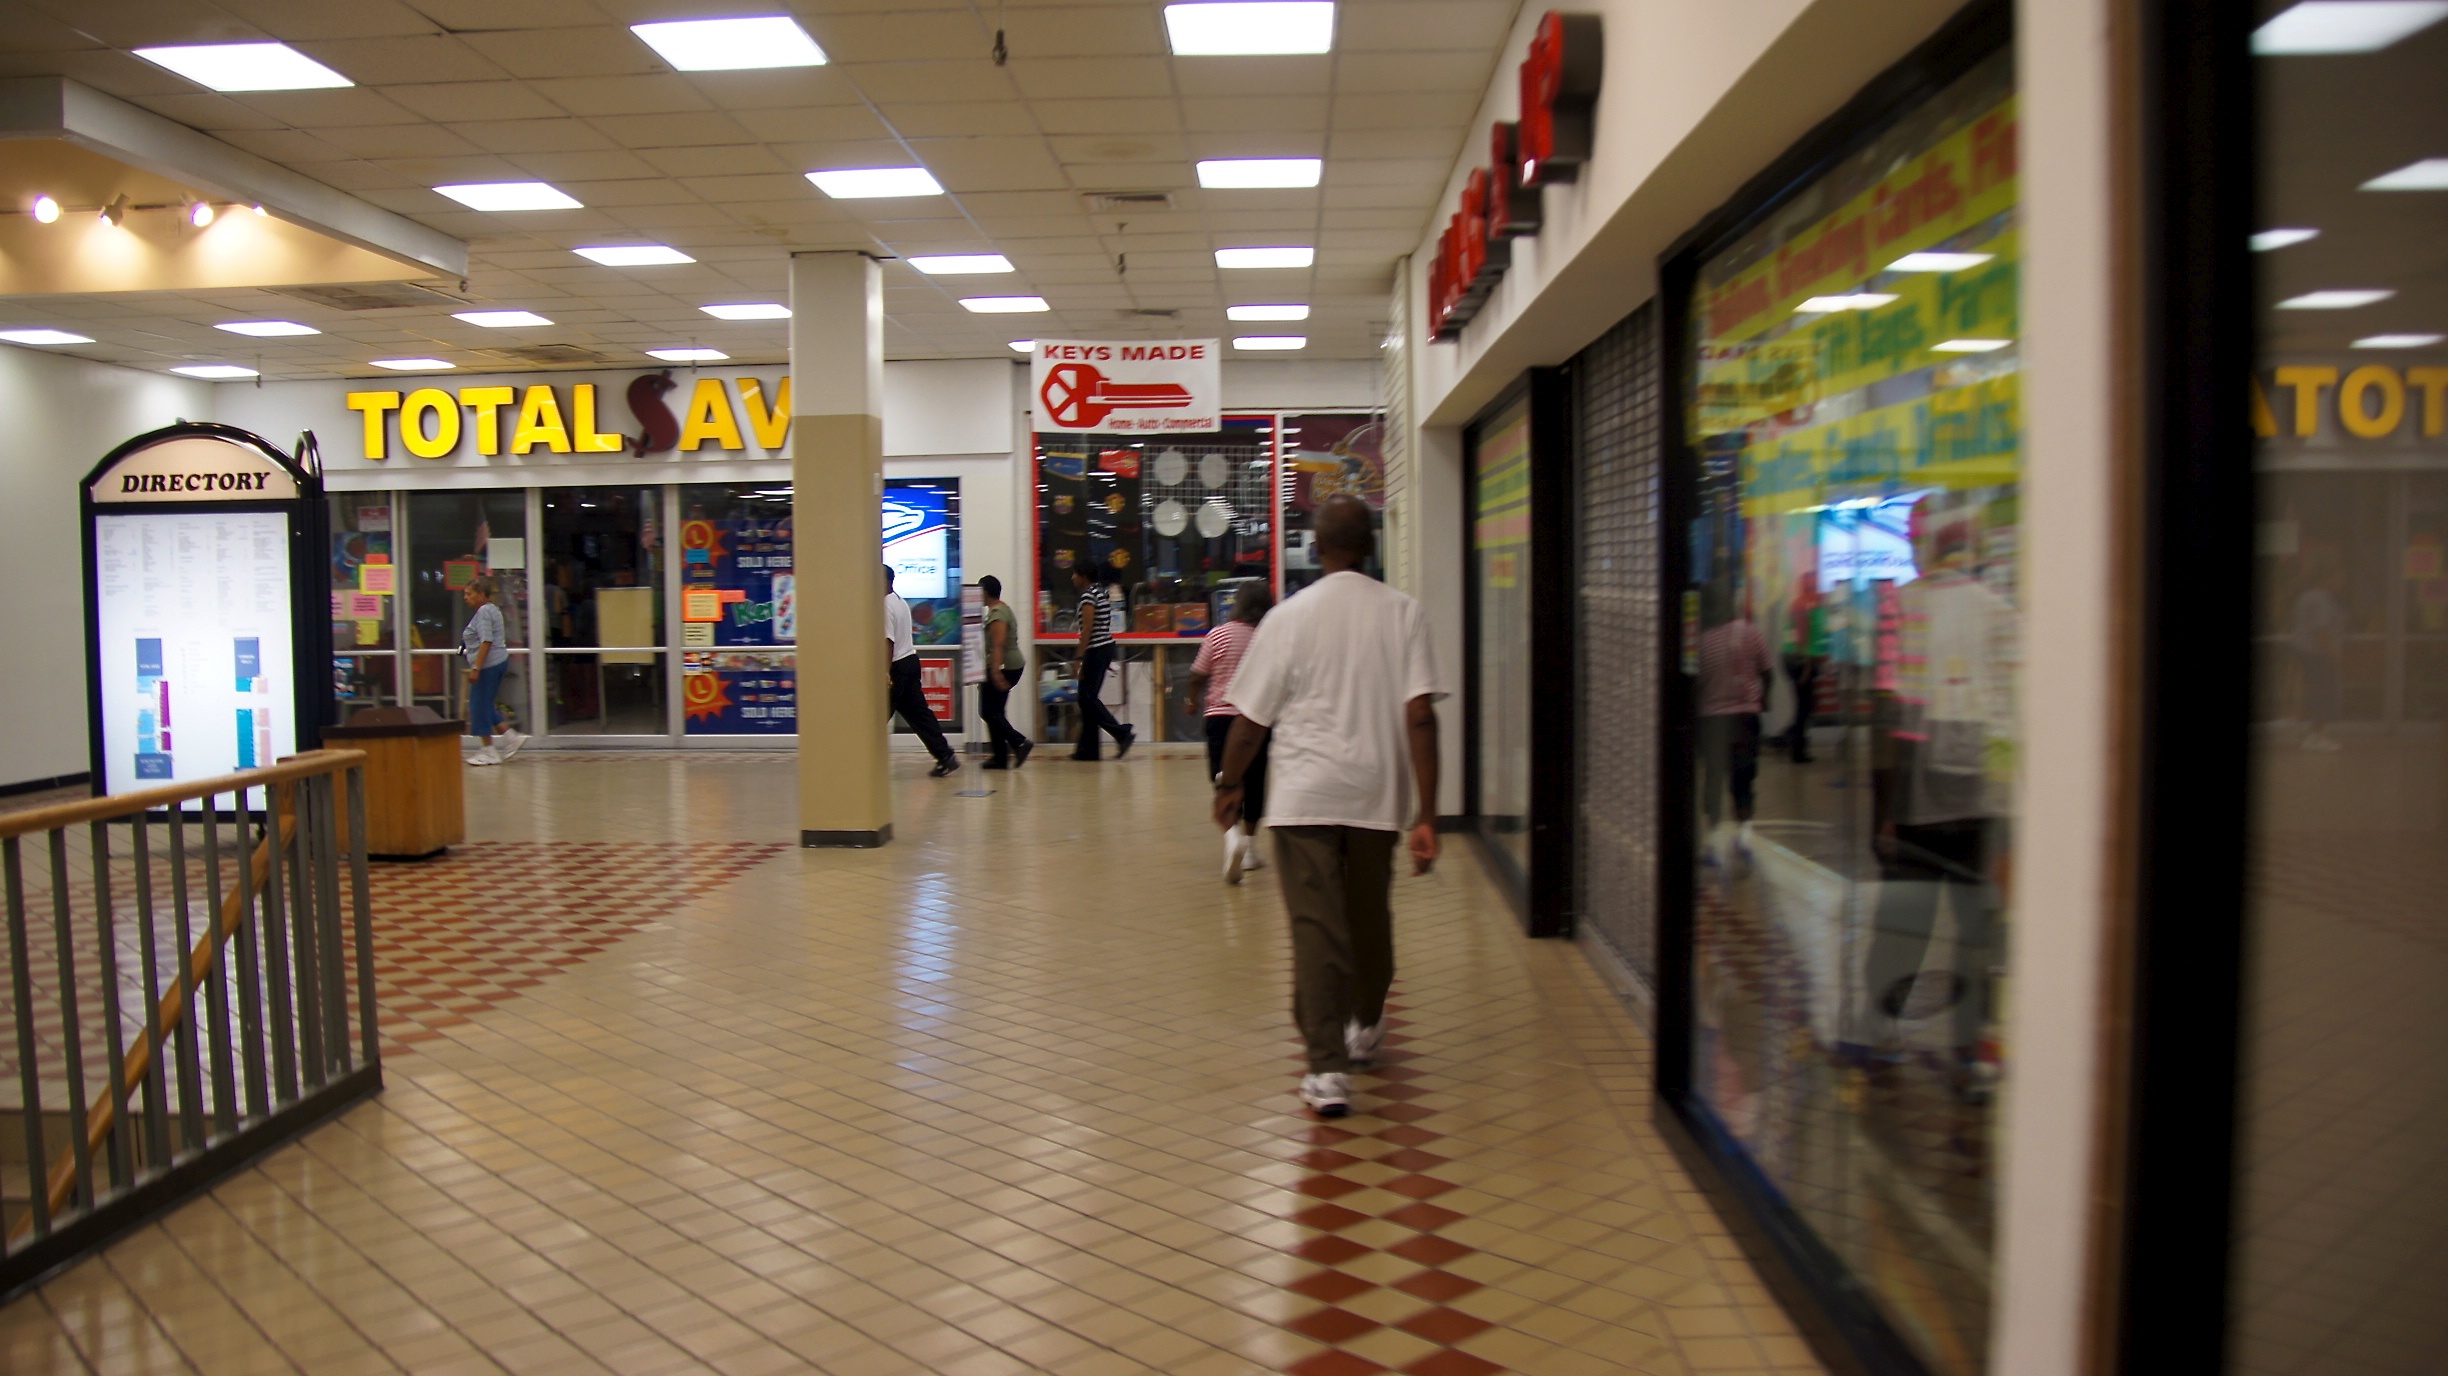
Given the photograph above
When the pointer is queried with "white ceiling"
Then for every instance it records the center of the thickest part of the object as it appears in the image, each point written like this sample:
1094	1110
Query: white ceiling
712	162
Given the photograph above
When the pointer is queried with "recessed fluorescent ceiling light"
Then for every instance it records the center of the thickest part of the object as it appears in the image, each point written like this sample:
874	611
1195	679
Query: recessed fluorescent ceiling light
2344	26
500	320
510	196
1855	301
1005	305
414	365
2269	239
1266	312
1251	26
215	371
633	255
2399	341
2431	174
1272	341
43	337
1969	346
729	45
867	183
961	264
2334	300
246	67
1024	346
1265	257
267	329
688	355
749	310
1230	173
1938	262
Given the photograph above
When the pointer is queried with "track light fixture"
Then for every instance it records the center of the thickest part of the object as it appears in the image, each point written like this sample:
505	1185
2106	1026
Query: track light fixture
46	210
115	214
199	213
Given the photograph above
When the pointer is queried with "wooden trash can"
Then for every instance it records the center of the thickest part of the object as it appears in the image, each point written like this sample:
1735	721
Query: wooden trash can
415	806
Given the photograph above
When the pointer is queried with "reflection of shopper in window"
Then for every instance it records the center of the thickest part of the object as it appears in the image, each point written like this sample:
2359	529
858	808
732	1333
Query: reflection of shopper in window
1805	644
1734	674
907	689
1096	657
1211	677
1949	751
1005	666
485	643
2320	645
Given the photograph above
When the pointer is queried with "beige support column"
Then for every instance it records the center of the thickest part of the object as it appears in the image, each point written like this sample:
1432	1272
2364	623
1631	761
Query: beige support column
837	477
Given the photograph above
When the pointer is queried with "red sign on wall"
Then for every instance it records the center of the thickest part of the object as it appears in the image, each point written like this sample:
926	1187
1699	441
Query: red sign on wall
1500	202
938	681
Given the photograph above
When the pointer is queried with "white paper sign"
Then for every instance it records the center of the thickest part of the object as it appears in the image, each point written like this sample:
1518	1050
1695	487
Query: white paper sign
1128	387
973	633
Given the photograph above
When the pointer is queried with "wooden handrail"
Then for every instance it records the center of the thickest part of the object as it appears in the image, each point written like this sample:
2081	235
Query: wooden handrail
59	815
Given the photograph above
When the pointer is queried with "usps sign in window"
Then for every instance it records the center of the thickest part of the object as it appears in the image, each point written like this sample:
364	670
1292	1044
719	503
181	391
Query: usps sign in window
1128	387
918	539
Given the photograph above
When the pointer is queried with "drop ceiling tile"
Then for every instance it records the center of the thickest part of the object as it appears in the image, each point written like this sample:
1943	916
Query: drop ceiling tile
328	109
1298	115
207	111
811	210
464	15
1129	176
717	160
778	88
1260	143
299	20
1437	143
1088	148
402	60
288	146
846	154
1386	242
947	80
564	135
145	23
902	35
754	187
1107	116
682	220
1074	78
967	165
629	191
1255	76
655	93
474	100
1035	203
581	164
1416	198
1464	71
400	141
602	50
1387	172
1413	25
965	119
1020	231
1084	31
672	130
1447	109
814	123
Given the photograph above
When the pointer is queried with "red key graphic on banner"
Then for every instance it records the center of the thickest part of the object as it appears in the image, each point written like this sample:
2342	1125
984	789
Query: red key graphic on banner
1077	395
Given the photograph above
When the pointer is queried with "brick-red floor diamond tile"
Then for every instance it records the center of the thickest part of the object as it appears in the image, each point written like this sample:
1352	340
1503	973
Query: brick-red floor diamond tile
1332	1325
1418	1186
1334	1251
1427	1218
1334	1218
1334	1361
1442	1325
1333	1287
1451	1363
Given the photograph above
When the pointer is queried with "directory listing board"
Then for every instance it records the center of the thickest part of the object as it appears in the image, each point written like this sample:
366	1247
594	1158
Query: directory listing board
194	624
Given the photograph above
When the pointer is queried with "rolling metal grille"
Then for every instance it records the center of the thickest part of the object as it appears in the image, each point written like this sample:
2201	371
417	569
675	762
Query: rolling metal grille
1620	484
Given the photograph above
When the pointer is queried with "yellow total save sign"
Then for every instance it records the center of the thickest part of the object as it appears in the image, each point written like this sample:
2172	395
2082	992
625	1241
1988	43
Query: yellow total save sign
434	423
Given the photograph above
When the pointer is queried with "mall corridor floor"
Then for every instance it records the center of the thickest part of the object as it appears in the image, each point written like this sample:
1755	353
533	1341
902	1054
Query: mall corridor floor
667	1093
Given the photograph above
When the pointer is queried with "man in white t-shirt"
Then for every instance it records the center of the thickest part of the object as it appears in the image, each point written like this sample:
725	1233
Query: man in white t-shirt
907	693
1341	683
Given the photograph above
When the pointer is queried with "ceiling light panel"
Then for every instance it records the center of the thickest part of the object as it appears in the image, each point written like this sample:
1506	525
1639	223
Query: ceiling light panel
2431	174
1004	305
730	45
498	196
2377	341
1266	312
1265	257
43	337
1229	174
2319	27
749	310
633	255
960	264
214	372
1024	346
1969	346
688	355
1251	27
2269	239
1938	262
267	329
870	183
500	320
1257	342
1850	301
415	365
246	67
2339	300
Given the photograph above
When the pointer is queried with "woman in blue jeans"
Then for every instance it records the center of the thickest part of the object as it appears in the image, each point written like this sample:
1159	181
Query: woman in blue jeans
484	640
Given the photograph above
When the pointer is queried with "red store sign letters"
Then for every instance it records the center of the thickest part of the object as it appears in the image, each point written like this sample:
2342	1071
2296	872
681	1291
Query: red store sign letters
1500	202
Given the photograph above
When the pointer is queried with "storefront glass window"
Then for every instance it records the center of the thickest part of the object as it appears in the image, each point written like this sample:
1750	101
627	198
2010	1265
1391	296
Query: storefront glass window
1851	632
1500	571
739	609
1177	523
452	539
365	671
2341	1203
1326	456
603	604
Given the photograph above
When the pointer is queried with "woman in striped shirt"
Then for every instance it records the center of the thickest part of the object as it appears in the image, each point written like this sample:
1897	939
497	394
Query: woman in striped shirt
1219	657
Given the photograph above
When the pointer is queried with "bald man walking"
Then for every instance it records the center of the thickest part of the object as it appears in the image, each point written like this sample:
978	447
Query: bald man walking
1341	681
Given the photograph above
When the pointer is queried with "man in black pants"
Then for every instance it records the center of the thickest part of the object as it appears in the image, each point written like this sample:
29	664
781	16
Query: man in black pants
1006	667
908	697
1096	644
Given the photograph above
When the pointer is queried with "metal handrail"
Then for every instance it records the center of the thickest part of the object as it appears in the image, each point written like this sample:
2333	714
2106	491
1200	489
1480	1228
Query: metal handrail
197	1090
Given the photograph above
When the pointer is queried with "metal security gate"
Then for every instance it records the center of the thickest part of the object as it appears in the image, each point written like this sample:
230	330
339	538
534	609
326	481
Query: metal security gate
1619	406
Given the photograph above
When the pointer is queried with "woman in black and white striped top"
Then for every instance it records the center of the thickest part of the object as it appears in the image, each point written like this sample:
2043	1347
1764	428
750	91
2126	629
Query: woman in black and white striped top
1096	656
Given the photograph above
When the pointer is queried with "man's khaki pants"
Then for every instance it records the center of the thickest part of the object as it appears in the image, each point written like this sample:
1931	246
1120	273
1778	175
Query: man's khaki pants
1336	882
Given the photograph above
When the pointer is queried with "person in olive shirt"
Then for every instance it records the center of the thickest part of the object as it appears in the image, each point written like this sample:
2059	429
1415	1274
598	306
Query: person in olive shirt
1005	666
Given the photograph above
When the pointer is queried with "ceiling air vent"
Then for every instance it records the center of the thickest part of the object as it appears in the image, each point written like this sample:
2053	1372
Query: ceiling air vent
1149	314
1122	202
370	296
549	354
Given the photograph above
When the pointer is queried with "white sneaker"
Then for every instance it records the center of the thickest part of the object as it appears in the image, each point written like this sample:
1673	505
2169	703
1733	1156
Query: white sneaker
1236	856
511	741
484	756
1361	1043
1328	1094
1253	855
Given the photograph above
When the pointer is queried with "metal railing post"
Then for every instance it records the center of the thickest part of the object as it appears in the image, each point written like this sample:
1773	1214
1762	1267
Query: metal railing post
156	1134
190	1025
368	1018
72	1042
29	1067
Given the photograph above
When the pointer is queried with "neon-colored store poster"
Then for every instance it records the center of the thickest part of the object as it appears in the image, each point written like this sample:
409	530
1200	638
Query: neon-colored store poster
740	692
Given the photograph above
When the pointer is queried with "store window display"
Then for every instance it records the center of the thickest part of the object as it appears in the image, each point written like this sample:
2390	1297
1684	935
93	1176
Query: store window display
1852	639
603	602
1172	521
365	630
454	538
1501	616
1326	456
